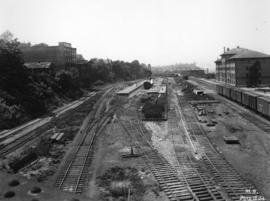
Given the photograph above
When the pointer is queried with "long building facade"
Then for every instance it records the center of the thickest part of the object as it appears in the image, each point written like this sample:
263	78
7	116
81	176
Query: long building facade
62	54
243	68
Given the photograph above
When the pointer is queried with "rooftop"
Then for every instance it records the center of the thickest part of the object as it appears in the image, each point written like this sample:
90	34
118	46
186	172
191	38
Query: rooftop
218	61
36	65
242	53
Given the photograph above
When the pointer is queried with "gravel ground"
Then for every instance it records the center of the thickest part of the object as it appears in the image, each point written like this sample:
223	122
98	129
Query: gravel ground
251	157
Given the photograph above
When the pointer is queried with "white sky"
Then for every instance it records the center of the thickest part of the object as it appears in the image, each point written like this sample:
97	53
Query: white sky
158	32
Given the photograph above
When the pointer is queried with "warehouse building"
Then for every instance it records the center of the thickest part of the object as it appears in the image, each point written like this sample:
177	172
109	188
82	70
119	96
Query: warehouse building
61	54
243	68
40	67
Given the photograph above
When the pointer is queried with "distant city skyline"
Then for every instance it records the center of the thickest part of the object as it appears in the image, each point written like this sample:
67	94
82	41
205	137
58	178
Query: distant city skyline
156	32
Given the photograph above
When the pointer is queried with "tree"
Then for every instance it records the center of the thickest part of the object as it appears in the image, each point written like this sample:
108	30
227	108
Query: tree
6	36
64	78
13	76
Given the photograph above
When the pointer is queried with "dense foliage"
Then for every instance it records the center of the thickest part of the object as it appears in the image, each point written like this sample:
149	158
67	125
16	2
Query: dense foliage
111	71
17	91
25	95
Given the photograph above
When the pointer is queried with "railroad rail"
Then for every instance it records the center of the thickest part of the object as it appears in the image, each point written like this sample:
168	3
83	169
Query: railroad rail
28	127
173	184
245	113
74	174
8	148
186	180
224	174
10	144
7	133
179	182
201	185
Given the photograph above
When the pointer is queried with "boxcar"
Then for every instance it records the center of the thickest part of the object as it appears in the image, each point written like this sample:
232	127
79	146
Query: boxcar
219	89
233	94
238	93
151	110
245	99
227	92
162	99
249	100
263	106
253	102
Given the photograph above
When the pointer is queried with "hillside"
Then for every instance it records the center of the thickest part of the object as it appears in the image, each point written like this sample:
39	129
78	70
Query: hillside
25	95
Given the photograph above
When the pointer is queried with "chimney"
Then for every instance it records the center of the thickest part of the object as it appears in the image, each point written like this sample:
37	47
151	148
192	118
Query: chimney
238	47
224	49
228	49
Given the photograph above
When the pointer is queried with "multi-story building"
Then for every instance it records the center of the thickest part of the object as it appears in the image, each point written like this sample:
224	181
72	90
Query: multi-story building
243	67
60	55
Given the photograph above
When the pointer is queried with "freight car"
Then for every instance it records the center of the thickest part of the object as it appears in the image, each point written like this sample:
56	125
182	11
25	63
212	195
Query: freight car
251	100
155	107
153	111
219	89
263	106
235	94
238	95
227	92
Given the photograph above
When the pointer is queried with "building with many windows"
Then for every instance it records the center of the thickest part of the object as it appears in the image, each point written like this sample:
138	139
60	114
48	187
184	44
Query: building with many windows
243	67
61	55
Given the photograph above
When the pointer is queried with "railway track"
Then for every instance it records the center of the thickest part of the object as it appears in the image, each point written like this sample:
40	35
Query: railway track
223	173
182	181
19	142
73	175
201	185
244	113
8	146
213	179
173	184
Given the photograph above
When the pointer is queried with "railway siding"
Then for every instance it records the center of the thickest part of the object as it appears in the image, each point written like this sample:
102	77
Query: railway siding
73	175
173	184
252	117
223	173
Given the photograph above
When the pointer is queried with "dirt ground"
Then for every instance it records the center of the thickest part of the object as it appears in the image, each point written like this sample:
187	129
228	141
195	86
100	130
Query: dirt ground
251	157
22	192
113	144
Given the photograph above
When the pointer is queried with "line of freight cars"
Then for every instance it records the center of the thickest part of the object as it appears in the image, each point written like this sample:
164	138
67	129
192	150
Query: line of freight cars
255	102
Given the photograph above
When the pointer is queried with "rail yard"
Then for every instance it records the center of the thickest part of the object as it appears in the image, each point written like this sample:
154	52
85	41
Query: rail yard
166	139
